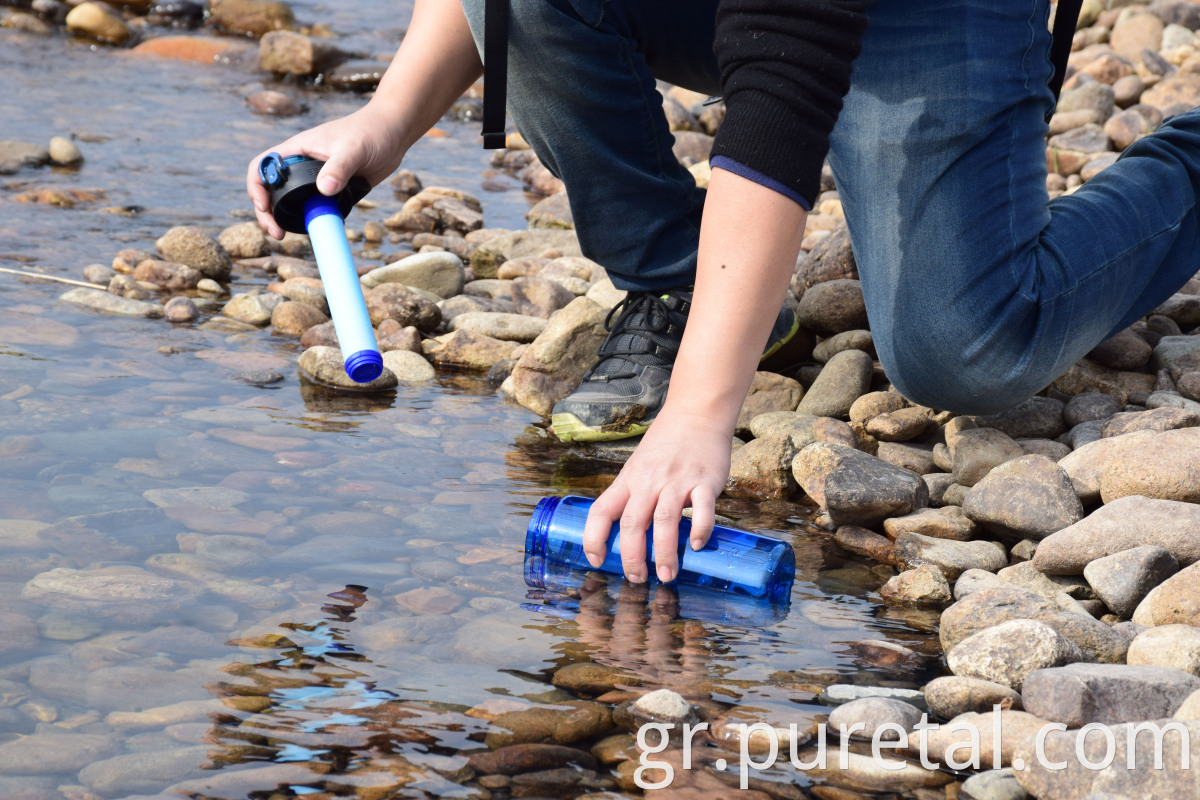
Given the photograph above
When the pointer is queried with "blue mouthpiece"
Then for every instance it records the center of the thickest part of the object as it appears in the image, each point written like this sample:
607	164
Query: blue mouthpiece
364	366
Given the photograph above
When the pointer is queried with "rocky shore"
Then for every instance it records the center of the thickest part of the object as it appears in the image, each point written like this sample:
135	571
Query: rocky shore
1057	541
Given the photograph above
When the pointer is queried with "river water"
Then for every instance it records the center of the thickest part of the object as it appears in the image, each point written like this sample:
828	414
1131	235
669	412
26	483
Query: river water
245	591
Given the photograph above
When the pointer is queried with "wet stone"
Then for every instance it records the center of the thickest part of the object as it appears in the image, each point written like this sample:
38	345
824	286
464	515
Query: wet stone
326	365
145	772
941	523
1078	694
98	300
575	721
1007	653
53	752
258	377
592	678
952	695
921	585
763	468
869	713
127	593
865	543
1122	580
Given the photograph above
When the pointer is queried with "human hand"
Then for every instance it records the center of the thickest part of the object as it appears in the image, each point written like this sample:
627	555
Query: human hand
362	143
682	460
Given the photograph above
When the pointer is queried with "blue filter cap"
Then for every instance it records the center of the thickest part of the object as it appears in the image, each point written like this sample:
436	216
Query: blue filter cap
364	366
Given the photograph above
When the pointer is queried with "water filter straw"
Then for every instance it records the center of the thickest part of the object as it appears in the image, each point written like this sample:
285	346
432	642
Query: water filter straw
299	207
733	561
323	221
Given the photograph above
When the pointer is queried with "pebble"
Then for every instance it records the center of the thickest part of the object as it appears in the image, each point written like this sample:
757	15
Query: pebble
1086	465
405	305
64	151
843	380
857	488
864	542
1078	694
326	365
869	714
574	721
294	318
986	607
833	307
1158	420
1116	780
41	753
1122	580
1029	497
186	244
554	363
466	349
1122	525
771	393
252	309
1164	466
798	427
924	584
664	705
146	772
258	377
938	484
838	693
408	367
539	297
1017	729
901	425
763	468
993	784
951	557
97	21
181	309
940	523
1035	418
1176	646
951	695
441	273
1175	600
868	774
15	155
516	759
506	327
1089	406
99	300
1027	576
1007	653
977	451
509	245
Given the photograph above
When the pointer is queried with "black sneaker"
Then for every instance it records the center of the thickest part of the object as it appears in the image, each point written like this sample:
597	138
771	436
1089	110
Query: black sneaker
622	393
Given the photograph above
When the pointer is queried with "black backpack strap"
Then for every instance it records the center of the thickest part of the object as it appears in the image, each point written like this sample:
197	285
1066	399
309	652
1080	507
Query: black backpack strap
495	71
1065	20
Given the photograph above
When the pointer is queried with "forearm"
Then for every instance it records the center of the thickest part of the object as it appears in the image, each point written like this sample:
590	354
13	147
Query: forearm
749	239
437	61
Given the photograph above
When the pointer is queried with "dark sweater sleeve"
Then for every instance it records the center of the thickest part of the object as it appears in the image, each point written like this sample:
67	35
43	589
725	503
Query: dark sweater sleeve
785	67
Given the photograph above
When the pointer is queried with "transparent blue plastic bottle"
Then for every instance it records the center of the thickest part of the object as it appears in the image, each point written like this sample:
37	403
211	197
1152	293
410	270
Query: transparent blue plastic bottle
732	561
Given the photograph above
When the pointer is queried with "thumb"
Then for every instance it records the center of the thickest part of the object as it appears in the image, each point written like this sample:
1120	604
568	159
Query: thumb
332	178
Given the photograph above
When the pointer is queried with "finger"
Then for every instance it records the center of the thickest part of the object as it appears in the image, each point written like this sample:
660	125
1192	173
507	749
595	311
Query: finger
261	200
334	176
635	524
666	534
601	516
704	515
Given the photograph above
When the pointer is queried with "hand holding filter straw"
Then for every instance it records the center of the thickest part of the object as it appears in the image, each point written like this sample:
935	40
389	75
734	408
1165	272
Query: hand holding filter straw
299	207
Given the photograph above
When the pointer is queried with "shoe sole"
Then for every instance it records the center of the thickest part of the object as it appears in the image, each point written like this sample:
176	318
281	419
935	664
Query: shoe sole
569	428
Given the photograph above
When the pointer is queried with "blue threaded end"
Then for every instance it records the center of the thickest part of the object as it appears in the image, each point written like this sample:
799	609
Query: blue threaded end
364	366
318	205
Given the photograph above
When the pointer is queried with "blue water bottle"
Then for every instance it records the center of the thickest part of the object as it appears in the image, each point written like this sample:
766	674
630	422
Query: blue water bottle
731	561
299	207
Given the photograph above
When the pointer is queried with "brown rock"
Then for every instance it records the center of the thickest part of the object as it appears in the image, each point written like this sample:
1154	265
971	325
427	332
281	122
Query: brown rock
1175	601
1028	497
252	17
273	103
768	392
1173	90
833	307
170	276
952	695
554	363
902	425
857	488
296	54
865	543
922	585
1164	466
938	523
294	318
1134	33
977	451
1158	419
468	349
1122	525
831	259
520	758
1124	351
398	302
762	468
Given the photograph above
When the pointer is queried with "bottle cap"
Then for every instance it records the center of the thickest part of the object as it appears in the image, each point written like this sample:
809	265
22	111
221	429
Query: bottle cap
364	366
535	540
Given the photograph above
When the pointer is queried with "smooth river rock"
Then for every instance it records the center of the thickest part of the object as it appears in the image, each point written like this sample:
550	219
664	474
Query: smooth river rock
1175	600
1008	652
1123	579
1165	466
844	379
1078	694
857	488
1122	525
1029	497
952	557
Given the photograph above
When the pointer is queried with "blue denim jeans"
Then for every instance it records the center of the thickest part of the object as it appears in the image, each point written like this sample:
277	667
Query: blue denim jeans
979	289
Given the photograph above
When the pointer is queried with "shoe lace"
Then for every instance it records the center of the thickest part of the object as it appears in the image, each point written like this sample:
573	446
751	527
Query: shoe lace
638	334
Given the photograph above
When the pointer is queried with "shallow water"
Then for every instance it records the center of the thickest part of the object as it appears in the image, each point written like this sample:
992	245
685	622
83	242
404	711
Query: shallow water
286	585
